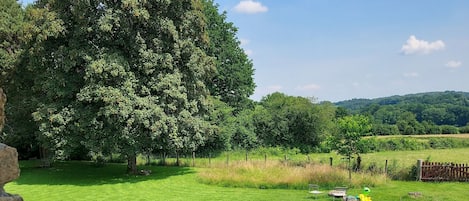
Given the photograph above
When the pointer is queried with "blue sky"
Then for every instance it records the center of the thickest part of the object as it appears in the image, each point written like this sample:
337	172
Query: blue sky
338	50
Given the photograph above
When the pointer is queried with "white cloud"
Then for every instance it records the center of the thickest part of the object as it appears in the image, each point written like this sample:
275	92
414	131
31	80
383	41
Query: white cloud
274	88
411	74
244	41
453	64
309	87
416	46
248	52
250	7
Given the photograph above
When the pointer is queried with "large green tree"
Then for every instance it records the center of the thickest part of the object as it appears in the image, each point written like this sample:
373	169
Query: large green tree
11	22
233	131
18	28
233	82
124	76
292	122
11	40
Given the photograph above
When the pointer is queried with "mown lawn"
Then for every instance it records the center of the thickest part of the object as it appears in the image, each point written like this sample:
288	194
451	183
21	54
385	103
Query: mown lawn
74	181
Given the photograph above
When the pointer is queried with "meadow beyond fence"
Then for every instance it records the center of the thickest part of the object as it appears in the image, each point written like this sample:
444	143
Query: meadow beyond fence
434	171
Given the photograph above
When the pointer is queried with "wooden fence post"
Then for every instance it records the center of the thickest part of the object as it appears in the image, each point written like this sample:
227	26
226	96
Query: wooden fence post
193	159
209	159
330	161
227	159
386	167
419	169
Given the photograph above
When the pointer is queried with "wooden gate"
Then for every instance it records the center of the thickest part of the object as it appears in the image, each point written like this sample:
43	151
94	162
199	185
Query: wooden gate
434	171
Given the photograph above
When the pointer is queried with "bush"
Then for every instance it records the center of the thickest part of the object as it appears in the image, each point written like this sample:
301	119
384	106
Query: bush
447	129
373	144
464	129
385	129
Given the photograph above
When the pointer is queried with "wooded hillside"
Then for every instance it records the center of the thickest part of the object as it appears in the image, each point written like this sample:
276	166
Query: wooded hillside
432	112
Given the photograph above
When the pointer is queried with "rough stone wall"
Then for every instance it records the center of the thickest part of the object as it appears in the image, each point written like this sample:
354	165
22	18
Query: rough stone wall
9	167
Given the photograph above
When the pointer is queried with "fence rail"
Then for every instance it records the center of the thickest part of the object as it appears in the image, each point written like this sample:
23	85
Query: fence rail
435	171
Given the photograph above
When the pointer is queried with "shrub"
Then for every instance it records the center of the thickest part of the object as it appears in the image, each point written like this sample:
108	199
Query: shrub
464	129
447	129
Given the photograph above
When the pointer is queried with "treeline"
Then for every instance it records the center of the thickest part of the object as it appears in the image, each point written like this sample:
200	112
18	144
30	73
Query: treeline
117	77
278	120
423	113
105	78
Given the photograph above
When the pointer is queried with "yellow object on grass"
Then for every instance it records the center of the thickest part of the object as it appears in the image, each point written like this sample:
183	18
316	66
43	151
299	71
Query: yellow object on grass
364	197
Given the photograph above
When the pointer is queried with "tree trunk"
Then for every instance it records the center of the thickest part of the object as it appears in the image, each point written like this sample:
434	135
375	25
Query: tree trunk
44	157
148	160
132	164
3	100
350	169
359	163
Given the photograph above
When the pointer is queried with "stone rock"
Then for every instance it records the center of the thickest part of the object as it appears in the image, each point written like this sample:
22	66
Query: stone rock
11	198
145	172
9	168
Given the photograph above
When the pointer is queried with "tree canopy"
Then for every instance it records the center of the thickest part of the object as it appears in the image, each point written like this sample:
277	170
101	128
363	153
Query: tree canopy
423	113
233	81
123	77
351	129
290	121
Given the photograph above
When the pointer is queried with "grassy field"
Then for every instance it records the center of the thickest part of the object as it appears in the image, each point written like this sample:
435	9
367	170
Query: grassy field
76	181
462	135
403	158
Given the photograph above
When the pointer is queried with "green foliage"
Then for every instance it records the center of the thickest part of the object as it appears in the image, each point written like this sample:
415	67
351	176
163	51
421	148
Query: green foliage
125	77
122	76
351	129
464	129
233	81
374	144
292	122
25	30
447	129
11	36
222	117
393	144
385	129
244	136
235	130
425	113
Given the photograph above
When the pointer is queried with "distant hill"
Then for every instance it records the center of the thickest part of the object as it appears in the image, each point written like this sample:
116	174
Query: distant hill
432	98
427	109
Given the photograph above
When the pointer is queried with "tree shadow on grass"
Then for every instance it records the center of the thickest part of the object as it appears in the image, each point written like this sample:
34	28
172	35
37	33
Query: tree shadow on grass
87	174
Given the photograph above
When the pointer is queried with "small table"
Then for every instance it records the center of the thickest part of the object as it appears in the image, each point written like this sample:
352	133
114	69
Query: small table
337	194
